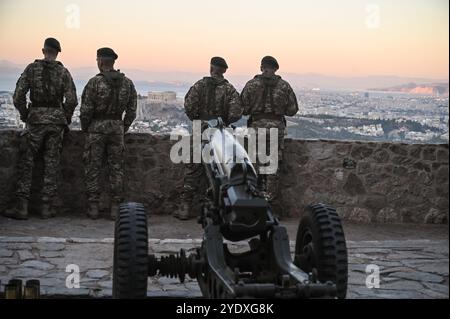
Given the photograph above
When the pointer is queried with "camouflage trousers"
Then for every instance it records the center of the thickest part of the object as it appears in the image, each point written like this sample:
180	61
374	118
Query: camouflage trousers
48	138
194	188
98	146
270	182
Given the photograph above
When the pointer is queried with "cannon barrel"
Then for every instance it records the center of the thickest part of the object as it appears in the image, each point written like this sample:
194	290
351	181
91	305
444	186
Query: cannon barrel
231	157
233	179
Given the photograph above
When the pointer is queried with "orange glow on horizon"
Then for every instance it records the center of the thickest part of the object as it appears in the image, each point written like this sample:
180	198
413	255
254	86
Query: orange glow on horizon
326	37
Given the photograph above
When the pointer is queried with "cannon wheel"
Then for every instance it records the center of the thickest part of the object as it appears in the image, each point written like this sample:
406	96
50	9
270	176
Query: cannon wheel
130	269
320	247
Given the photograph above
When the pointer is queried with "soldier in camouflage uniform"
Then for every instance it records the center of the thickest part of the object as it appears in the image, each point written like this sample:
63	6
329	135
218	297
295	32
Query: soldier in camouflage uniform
105	98
209	98
267	99
53	100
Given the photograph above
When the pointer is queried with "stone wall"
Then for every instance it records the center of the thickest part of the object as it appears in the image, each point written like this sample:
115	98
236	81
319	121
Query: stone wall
367	182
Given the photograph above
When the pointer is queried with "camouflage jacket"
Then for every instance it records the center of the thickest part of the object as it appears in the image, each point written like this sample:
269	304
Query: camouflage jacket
269	95
104	100
49	83
213	97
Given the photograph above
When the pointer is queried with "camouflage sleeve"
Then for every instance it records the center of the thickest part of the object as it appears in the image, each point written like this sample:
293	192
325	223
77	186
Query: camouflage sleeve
234	106
87	105
292	107
20	93
70	94
192	102
246	99
130	112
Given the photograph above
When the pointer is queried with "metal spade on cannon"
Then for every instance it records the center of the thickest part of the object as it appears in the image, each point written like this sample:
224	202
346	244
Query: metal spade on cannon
234	211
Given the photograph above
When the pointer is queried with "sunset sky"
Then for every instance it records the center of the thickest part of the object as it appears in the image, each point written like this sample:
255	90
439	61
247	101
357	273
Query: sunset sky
344	38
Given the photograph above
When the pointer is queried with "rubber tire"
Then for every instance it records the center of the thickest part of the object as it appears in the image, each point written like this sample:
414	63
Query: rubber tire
329	255
130	269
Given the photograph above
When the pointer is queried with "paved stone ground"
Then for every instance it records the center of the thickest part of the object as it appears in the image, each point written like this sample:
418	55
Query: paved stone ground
413	259
409	268
169	227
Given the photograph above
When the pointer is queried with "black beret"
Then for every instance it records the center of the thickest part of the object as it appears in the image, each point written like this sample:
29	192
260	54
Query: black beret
52	43
220	62
107	53
270	61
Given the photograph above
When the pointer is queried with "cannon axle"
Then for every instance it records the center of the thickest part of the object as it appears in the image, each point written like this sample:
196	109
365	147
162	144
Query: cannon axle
174	266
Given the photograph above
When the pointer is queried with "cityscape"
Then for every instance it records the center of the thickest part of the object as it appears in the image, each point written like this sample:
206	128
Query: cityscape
324	114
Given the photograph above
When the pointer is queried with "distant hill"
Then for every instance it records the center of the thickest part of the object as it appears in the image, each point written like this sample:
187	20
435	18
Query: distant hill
180	81
413	88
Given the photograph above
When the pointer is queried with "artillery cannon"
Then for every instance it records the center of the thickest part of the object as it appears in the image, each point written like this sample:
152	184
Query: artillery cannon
235	211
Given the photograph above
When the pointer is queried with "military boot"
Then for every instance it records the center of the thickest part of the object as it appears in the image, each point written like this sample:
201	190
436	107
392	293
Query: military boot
48	210
9	212
114	210
182	213
92	211
20	210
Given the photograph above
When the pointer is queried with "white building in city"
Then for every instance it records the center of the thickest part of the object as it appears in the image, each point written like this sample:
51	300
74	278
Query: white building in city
168	96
